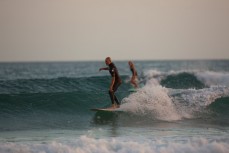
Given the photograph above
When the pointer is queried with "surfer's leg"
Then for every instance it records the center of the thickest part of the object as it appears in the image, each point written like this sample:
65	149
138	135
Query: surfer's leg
116	100
134	82
111	93
114	89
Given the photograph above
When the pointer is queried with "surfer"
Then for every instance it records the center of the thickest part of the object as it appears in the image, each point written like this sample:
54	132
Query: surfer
115	82
134	77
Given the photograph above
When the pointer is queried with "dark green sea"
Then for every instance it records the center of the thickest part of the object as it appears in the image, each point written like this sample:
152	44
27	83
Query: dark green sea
181	107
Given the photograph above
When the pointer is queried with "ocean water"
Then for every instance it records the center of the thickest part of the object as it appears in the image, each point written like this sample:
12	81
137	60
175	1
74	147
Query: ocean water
181	107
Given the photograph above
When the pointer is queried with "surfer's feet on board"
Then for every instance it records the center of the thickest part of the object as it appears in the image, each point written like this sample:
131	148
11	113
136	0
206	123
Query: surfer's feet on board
115	106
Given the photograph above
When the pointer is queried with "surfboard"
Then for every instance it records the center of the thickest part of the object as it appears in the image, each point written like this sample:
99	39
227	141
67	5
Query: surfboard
106	109
132	90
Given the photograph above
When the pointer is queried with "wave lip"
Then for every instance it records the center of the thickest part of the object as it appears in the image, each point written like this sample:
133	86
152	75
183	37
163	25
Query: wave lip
185	79
182	81
211	78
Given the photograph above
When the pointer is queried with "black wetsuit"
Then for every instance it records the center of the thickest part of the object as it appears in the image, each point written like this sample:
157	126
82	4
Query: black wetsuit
114	73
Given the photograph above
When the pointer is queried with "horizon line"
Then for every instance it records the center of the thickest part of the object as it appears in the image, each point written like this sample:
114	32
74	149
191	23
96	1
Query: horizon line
54	61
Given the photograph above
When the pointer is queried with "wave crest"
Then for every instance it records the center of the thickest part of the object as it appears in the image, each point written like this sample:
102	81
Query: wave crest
117	145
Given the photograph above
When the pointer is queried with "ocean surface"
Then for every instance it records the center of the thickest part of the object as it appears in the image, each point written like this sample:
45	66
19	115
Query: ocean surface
181	107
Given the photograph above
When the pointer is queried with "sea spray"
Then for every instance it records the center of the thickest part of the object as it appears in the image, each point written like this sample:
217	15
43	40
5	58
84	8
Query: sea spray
211	78
151	100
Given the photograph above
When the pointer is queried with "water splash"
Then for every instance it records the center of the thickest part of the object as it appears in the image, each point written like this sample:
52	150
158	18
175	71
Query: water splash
152	100
158	102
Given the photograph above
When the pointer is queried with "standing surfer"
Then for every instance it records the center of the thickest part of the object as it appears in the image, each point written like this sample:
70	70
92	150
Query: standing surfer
134	77
115	82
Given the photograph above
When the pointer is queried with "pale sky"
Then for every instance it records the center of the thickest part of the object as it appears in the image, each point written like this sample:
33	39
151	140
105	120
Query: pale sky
73	30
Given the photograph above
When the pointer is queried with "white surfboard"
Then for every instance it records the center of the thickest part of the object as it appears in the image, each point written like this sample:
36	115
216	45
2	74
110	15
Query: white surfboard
106	109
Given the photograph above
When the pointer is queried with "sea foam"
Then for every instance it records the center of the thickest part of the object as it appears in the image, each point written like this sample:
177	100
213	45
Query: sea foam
87	144
152	100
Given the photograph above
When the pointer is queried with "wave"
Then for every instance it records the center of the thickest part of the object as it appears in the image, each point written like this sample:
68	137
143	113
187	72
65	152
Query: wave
87	144
45	110
219	109
49	102
174	80
58	102
182	80
62	84
158	102
188	79
210	78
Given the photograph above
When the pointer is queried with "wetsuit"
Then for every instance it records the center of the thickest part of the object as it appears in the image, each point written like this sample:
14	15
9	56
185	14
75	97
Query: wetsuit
114	73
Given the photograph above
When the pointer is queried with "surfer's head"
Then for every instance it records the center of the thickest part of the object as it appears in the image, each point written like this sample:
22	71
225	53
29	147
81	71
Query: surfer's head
108	60
131	64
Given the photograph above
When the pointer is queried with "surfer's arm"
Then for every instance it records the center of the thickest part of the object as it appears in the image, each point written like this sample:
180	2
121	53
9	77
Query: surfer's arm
104	68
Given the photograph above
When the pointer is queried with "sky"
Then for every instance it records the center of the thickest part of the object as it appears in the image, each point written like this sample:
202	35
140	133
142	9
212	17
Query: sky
78	30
